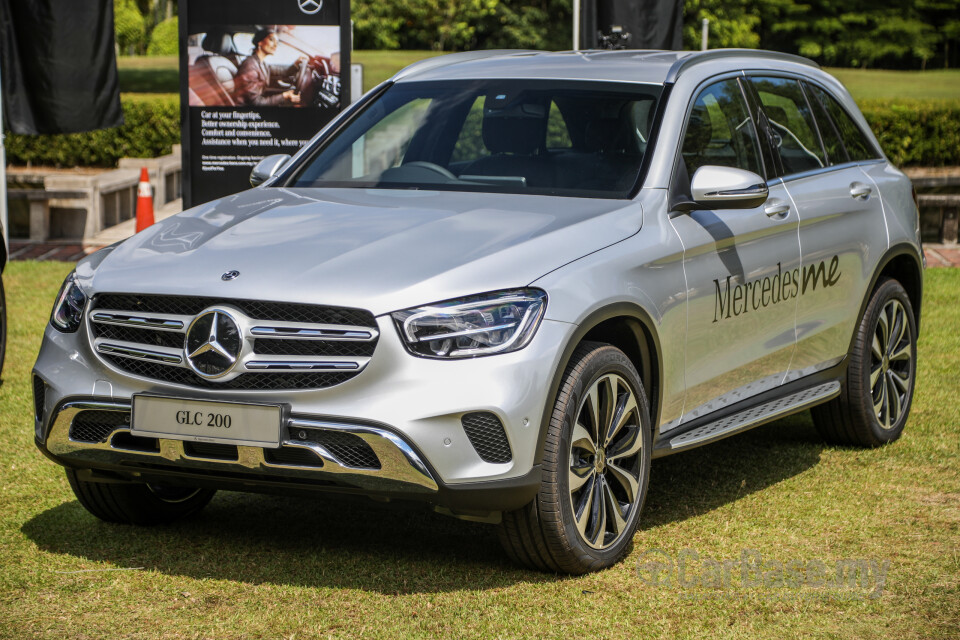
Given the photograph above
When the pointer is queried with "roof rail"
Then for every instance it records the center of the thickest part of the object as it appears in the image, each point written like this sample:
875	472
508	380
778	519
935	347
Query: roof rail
697	57
454	58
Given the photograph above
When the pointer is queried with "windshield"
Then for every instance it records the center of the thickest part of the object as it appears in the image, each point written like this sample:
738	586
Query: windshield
567	138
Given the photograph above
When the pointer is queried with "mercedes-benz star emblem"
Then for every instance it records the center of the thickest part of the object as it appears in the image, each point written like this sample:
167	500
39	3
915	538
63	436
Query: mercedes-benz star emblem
310	7
213	343
230	275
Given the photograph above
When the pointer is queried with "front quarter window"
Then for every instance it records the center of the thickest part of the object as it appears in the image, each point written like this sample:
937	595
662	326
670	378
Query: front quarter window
720	132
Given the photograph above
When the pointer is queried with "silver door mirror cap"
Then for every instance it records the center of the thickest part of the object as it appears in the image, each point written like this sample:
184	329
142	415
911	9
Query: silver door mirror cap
714	187
267	168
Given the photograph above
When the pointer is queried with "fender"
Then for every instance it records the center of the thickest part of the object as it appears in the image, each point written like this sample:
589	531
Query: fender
896	251
617	310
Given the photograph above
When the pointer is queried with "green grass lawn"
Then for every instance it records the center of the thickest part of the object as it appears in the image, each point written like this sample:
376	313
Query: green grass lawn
160	75
253	566
868	84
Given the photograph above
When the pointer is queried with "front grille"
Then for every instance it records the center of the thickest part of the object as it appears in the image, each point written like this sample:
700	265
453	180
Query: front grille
245	382
486	434
260	310
152	352
279	346
96	426
142	336
211	450
292	456
39	396
348	448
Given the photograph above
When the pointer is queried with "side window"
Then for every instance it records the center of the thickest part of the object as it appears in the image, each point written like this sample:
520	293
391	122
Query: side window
836	153
857	145
791	124
385	144
720	132
557	135
469	145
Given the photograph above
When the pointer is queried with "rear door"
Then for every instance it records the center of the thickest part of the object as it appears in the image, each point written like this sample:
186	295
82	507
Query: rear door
842	229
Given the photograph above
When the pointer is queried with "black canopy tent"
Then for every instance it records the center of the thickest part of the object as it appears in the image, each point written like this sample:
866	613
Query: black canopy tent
628	24
58	70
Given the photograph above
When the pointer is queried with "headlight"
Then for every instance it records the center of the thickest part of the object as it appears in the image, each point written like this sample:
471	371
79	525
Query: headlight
68	310
476	326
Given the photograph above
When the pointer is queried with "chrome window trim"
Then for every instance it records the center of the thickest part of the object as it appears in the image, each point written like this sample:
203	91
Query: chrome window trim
824	170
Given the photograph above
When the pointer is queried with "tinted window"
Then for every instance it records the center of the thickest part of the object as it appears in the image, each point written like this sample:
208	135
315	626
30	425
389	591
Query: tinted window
792	127
857	145
720	131
836	154
498	136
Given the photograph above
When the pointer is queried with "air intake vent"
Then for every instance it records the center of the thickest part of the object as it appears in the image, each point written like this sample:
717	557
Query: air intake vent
210	450
351	450
39	396
487	436
96	426
294	456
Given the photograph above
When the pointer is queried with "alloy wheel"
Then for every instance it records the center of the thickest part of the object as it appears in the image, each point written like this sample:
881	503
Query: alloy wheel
891	358
605	461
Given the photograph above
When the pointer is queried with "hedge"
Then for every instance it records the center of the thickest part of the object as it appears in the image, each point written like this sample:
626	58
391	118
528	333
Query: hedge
164	41
916	133
912	133
151	127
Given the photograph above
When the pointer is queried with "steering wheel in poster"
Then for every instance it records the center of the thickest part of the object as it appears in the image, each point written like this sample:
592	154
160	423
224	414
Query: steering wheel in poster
304	77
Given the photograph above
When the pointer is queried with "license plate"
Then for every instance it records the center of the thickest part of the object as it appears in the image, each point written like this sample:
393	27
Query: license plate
254	425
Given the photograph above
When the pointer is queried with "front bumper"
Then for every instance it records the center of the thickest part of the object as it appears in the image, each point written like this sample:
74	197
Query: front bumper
407	410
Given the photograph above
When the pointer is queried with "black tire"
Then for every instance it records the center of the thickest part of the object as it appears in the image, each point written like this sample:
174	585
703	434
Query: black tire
876	395
3	327
545	534
135	503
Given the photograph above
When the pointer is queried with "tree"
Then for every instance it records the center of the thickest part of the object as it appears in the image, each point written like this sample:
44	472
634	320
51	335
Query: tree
440	25
529	24
129	27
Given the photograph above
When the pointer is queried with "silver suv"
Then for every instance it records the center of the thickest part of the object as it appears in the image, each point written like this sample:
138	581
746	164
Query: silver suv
502	283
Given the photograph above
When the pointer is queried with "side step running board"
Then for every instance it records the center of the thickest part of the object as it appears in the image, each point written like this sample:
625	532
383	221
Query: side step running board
755	416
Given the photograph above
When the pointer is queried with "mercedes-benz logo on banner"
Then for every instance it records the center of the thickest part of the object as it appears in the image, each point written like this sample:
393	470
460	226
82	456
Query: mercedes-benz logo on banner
310	7
213	343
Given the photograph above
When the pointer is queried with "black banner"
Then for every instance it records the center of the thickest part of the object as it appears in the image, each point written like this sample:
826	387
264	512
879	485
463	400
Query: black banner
58	66
257	78
631	24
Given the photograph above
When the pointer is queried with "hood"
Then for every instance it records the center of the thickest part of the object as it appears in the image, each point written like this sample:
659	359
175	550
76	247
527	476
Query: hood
380	250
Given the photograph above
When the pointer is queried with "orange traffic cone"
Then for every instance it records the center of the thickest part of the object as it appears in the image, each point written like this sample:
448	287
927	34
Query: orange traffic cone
144	201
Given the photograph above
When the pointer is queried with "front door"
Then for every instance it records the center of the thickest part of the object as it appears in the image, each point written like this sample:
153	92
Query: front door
739	265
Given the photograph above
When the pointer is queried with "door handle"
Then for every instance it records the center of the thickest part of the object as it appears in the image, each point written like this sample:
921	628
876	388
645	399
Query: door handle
860	191
776	209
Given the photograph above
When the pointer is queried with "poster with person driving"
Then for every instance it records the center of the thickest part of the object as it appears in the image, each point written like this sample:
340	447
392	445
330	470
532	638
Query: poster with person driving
257	78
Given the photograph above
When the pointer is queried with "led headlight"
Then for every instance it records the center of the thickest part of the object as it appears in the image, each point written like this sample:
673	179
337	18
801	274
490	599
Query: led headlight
480	325
68	310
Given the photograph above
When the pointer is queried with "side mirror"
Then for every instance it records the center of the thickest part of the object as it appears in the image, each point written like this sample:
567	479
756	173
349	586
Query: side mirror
714	187
267	168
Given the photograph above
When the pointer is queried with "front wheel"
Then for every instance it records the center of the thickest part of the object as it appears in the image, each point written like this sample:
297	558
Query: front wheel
873	407
135	503
596	468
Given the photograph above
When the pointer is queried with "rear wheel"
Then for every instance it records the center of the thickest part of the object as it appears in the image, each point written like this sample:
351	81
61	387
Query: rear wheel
595	469
873	407
134	503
